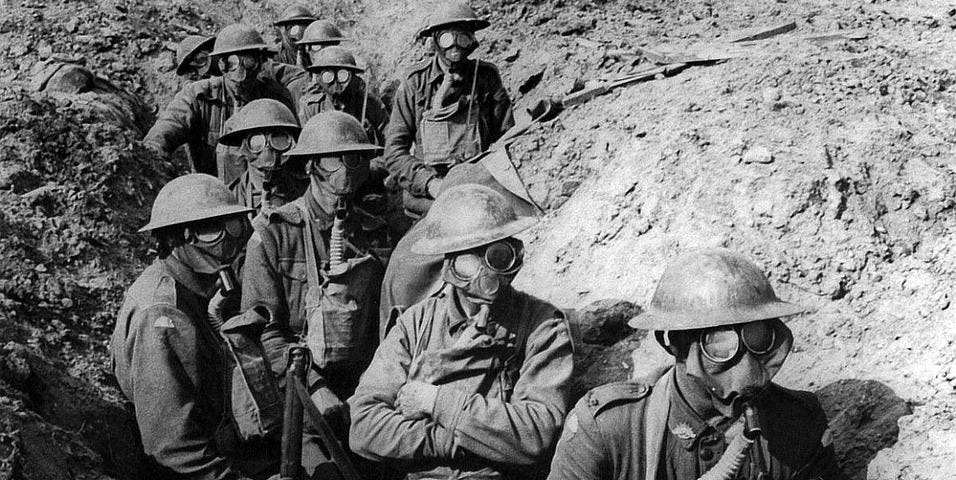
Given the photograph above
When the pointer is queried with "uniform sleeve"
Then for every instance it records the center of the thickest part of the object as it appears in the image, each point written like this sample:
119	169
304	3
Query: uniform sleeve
524	428
502	116
408	170
179	120
581	453
176	431
380	432
262	287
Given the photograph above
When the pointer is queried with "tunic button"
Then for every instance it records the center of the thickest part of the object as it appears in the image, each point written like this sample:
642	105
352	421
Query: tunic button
706	454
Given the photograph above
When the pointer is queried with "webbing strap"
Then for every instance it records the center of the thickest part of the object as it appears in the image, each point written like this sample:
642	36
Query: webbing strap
338	454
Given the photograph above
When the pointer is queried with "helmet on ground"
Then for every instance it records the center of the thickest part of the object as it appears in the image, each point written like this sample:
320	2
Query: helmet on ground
259	114
294	14
188	47
468	216
334	57
452	14
238	38
332	132
321	31
712	288
190	198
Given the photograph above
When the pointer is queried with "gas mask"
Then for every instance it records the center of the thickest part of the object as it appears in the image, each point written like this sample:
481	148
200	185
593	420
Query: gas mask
212	244
454	46
240	70
480	273
264	152
334	81
338	175
735	363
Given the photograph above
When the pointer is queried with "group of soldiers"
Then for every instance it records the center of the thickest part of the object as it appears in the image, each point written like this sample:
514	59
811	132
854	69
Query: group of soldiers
283	295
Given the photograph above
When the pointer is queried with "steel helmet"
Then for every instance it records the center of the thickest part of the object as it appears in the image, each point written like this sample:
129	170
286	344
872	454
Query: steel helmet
712	288
334	57
188	47
332	132
238	38
468	216
454	13
294	14
190	198
259	114
321	31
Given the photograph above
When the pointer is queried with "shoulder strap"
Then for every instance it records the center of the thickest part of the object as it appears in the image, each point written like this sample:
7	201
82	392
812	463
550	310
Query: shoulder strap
311	262
655	422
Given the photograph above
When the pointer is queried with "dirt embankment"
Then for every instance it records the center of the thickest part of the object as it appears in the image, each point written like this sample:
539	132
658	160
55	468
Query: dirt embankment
828	162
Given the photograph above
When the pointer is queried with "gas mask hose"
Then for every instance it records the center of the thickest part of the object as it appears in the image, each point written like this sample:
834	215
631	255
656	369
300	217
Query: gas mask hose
337	241
733	458
753	431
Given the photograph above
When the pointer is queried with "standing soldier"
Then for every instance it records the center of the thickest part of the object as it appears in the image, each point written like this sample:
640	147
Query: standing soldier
166	354
716	411
471	382
265	130
336	85
192	58
198	113
450	107
312	268
291	26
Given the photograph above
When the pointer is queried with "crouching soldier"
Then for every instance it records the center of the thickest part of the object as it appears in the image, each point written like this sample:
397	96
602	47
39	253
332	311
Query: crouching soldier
471	382
312	266
166	354
716	411
265	130
193	62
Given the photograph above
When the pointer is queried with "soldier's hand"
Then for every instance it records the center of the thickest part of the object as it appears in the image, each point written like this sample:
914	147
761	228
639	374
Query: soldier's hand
471	337
434	186
416	399
335	411
222	307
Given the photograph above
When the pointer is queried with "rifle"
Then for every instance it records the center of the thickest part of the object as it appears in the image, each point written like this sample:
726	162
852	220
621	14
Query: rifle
297	402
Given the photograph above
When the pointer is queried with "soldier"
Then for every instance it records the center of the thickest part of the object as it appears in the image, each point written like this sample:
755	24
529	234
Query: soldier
450	107
291	26
265	130
716	410
192	58
166	356
313	266
471	382
318	35
198	113
336	85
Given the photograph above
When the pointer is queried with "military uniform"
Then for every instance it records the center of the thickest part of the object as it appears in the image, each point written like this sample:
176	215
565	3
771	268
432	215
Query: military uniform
315	101
196	117
493	117
611	430
276	276
169	362
292	77
499	407
245	194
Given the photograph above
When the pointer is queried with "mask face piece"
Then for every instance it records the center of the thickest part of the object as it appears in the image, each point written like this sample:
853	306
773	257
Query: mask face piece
214	243
737	369
240	69
481	273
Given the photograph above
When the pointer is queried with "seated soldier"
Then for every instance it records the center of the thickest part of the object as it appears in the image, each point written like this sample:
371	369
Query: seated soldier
716	411
265	130
471	382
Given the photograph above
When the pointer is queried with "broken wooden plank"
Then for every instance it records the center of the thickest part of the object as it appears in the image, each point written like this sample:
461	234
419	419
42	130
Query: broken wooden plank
704	53
595	89
763	33
836	36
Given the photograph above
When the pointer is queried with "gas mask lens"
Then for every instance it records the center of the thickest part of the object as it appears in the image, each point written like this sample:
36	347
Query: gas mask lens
212	232
199	60
329	164
279	141
721	345
248	62
448	38
330	76
499	257
295	32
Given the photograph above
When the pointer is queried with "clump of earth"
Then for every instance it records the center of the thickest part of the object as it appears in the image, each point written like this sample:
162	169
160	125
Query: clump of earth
824	154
